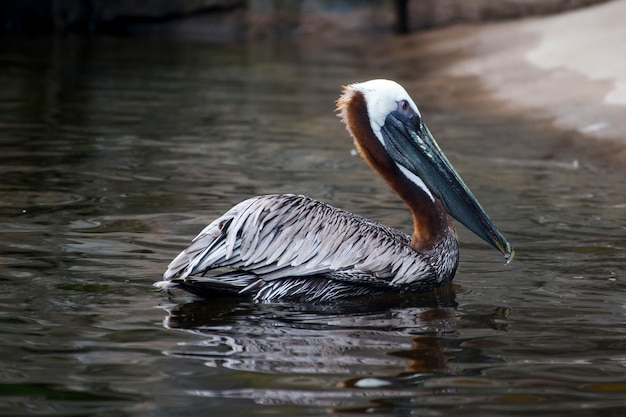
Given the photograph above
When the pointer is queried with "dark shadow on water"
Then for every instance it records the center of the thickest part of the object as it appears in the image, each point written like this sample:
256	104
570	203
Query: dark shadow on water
403	333
376	350
202	313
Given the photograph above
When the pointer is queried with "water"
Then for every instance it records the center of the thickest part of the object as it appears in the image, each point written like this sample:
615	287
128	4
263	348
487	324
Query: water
116	152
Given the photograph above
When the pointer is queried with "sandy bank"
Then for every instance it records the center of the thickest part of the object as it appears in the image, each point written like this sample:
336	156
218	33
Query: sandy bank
571	67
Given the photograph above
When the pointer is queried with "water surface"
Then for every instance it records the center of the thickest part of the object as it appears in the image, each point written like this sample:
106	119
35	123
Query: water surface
116	152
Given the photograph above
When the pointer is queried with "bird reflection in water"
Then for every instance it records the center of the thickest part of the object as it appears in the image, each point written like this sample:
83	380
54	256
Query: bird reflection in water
356	339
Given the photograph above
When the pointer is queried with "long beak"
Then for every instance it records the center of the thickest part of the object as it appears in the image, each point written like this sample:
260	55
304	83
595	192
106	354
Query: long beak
412	145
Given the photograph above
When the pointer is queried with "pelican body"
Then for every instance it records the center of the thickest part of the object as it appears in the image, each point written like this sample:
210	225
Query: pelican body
290	247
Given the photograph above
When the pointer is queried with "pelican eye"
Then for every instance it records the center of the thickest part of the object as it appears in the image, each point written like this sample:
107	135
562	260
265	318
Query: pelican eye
404	107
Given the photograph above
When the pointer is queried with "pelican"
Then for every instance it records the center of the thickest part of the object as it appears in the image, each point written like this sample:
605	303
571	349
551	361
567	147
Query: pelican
290	247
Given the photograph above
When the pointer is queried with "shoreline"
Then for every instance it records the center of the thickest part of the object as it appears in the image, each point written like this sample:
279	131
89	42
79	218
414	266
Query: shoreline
569	69
484	70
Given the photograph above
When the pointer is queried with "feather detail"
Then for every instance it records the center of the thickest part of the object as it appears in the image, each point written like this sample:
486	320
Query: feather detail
288	246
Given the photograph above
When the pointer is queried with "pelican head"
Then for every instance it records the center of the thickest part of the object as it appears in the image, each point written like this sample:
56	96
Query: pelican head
391	136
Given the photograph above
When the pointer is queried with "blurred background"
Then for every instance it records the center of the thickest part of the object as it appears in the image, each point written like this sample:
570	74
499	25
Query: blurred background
228	20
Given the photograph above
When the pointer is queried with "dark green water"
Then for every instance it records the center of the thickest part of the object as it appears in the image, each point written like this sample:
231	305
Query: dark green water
116	152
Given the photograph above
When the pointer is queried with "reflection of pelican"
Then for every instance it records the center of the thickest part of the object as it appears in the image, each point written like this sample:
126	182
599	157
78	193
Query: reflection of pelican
351	339
292	247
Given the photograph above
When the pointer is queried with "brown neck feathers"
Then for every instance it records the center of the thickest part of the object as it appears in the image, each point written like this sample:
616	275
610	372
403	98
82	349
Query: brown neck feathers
430	220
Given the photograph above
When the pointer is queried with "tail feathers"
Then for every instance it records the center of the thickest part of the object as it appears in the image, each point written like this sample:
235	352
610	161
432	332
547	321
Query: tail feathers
201	253
231	284
165	285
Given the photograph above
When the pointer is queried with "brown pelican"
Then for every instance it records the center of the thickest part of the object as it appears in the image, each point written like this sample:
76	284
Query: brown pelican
291	247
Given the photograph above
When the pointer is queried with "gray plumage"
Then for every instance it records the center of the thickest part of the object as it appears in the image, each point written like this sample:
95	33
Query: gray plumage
293	247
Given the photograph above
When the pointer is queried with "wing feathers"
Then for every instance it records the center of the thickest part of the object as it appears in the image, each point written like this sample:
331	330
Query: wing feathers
272	238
